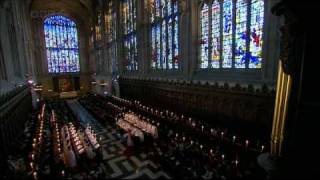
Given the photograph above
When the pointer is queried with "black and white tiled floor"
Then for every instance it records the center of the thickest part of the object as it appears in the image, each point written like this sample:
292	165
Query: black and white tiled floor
115	164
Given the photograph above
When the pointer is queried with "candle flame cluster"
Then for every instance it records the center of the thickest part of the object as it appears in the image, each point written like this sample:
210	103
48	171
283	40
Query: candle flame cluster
37	143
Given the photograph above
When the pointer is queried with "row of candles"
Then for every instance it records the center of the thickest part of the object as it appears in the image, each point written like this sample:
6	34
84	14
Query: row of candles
37	143
168	114
211	151
192	122
56	137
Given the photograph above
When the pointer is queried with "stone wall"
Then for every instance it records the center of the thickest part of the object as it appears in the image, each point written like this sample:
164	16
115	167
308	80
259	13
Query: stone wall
16	44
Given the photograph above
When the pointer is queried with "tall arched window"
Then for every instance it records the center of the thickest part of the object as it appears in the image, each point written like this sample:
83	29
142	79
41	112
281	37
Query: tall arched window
129	12
111	32
236	34
165	34
61	38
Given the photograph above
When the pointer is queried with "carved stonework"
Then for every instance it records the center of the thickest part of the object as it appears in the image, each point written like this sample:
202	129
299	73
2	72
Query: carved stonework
290	33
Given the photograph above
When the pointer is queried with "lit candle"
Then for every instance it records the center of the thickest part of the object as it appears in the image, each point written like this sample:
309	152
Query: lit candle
202	127
62	172
222	156
35	175
191	142
31	165
32	156
236	162
184	138
247	143
201	146
233	139
262	148
211	151
222	133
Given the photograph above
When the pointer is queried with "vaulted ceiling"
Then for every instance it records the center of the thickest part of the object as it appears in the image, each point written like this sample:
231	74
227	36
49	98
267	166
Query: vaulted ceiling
78	9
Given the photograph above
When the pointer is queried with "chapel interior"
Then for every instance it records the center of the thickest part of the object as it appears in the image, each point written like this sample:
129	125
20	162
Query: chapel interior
159	89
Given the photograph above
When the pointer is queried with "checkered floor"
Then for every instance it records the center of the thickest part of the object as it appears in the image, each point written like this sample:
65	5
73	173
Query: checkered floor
115	164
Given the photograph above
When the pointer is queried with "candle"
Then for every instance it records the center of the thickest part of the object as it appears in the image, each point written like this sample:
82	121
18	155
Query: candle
233	139
236	162
35	175
222	156
32	156
247	143
211	151
262	148
202	127
191	142
201	146
31	165
184	138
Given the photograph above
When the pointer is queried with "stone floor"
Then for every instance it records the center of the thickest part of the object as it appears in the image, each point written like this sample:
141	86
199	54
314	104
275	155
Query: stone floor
115	164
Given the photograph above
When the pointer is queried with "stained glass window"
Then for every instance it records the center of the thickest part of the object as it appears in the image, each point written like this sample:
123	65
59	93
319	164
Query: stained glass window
61	38
227	34
241	33
108	20
204	41
98	27
165	34
130	38
241	41
215	35
256	32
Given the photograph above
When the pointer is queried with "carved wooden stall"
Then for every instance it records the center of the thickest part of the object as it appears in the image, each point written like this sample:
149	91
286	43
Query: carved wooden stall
14	111
244	109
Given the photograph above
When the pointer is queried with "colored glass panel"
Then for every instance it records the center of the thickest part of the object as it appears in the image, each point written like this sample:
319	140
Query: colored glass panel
241	34
204	41
227	34
256	33
61	40
215	59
